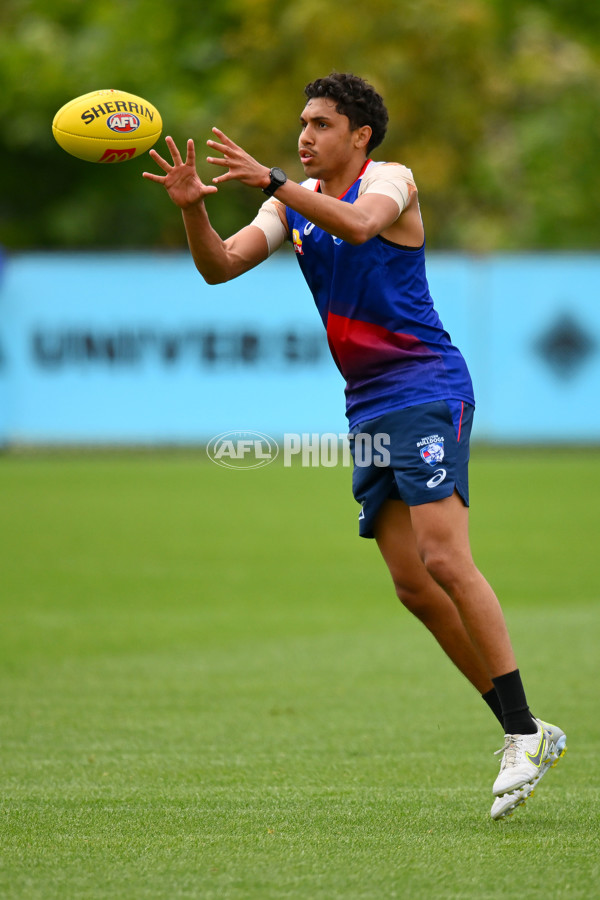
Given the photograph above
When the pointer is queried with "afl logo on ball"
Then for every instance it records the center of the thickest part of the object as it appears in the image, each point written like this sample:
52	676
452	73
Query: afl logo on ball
123	123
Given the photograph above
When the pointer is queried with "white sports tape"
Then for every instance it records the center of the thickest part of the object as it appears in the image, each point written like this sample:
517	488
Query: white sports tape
267	219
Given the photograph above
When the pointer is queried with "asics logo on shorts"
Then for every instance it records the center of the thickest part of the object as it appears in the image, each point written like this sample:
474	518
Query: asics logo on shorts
437	478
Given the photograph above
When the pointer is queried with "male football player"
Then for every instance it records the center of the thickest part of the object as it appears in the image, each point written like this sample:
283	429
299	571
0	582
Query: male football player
357	231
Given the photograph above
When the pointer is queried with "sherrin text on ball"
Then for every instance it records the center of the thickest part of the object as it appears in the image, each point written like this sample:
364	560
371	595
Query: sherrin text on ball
107	126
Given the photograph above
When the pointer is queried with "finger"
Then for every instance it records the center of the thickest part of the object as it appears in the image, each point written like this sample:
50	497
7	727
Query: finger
165	166
224	139
220	148
174	151
218	161
152	177
220	134
190	159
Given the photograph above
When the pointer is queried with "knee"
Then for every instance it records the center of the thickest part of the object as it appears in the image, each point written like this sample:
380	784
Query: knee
444	567
415	599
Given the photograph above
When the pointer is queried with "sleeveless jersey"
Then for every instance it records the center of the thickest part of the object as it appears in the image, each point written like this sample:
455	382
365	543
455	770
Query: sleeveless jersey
383	331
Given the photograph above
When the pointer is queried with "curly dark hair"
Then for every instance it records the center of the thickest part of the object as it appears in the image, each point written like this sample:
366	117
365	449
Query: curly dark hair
356	99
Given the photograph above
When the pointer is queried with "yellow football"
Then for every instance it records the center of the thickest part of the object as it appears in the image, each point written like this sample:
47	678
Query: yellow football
107	126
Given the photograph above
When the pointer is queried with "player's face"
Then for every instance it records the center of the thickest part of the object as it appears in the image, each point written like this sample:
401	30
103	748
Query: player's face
326	144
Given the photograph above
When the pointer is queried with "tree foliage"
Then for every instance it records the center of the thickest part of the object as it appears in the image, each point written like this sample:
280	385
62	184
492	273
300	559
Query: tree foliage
494	105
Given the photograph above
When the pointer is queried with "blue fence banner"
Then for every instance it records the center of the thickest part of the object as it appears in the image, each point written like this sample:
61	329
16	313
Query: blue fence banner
137	349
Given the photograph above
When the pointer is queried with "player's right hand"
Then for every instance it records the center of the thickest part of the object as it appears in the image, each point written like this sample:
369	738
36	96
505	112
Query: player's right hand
182	182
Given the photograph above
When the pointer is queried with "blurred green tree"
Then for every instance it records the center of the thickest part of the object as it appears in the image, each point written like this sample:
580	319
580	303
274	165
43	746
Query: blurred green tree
494	104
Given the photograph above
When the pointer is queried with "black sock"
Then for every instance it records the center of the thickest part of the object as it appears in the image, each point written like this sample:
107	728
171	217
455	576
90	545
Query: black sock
493	701
515	713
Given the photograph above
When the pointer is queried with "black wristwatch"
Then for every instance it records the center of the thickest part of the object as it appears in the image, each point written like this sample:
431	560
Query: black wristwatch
278	179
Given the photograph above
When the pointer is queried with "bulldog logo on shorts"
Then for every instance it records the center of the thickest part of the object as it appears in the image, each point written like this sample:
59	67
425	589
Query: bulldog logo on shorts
432	449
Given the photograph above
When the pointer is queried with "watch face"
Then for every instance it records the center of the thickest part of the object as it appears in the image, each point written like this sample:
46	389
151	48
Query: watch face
278	178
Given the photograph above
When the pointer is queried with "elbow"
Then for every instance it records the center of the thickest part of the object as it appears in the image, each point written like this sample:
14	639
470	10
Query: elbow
357	239
360	233
217	274
213	279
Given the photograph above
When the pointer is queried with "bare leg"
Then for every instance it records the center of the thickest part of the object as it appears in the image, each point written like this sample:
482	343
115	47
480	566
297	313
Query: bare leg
423	596
428	553
441	532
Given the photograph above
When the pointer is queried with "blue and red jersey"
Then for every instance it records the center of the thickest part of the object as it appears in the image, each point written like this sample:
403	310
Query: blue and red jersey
383	331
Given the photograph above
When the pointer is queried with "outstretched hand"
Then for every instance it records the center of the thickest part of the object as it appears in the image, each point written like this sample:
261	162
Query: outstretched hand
239	164
182	182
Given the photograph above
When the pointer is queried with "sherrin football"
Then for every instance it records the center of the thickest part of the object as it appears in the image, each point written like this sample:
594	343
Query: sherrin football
107	126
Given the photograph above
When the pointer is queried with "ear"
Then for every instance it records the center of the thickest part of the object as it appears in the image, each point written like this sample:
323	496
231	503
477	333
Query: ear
362	136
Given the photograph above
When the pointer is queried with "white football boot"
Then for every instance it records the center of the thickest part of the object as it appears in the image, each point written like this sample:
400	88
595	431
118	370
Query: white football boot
522	758
555	748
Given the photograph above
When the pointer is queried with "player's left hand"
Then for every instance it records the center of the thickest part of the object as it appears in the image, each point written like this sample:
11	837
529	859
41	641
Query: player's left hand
239	164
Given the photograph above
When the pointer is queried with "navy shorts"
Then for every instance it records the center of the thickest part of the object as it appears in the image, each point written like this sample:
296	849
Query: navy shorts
418	455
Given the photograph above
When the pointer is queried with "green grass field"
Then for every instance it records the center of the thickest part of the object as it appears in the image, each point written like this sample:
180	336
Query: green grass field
210	691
